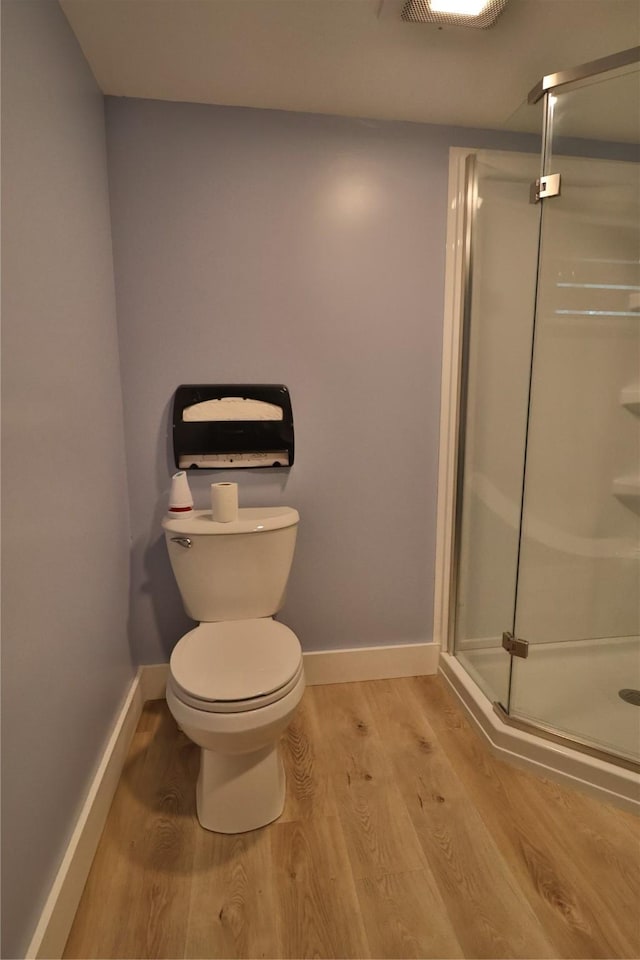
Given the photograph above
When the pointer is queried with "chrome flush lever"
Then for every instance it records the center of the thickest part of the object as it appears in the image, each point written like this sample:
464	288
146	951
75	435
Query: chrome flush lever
183	541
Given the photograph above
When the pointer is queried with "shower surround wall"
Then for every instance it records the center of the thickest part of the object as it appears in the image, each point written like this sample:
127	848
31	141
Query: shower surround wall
255	245
66	663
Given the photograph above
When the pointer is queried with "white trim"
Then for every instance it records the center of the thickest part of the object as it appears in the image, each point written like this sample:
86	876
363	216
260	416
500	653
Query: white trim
451	345
371	663
57	916
335	666
547	759
153	678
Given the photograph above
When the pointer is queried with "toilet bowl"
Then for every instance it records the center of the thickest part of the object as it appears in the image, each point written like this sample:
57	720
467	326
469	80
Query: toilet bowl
236	715
235	683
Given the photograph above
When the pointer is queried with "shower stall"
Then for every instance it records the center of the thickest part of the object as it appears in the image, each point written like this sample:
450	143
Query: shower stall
539	603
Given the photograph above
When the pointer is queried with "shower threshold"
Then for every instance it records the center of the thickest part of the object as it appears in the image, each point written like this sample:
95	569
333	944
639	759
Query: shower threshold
545	752
570	688
577	743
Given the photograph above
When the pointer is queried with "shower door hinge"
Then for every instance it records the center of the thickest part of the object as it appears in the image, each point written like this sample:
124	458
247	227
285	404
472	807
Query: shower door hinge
548	186
514	646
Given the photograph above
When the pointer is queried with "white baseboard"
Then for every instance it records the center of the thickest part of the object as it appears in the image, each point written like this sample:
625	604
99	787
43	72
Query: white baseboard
153	677
55	922
371	663
321	666
335	666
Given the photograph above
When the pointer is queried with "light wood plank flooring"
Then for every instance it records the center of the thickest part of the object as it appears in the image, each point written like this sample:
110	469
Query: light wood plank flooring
402	836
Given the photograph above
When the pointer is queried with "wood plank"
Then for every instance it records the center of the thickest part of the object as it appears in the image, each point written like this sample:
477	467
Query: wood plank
317	907
157	917
377	827
490	916
232	906
348	732
94	933
308	764
557	841
404	917
148	840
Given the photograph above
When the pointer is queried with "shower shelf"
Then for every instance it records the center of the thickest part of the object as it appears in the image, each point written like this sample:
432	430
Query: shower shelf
626	486
630	397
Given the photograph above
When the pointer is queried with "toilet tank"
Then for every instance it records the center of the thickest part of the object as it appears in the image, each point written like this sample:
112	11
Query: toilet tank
232	571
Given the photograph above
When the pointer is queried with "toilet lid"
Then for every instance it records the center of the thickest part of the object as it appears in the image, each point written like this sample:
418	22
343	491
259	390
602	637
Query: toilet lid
236	660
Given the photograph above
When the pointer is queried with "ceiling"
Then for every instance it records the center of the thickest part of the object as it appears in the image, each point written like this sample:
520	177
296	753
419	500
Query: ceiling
347	57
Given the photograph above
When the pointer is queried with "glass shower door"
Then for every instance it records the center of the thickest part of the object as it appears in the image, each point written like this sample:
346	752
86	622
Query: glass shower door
578	585
502	238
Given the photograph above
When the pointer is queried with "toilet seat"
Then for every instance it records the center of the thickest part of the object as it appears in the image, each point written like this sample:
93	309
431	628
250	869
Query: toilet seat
235	665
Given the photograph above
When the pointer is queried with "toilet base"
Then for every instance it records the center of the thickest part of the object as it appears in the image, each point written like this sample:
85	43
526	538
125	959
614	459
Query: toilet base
240	791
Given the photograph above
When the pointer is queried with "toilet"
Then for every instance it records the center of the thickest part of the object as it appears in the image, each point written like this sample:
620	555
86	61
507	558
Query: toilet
236	679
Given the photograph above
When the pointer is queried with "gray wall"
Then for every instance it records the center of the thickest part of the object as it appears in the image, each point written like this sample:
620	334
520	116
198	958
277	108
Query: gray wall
309	250
65	657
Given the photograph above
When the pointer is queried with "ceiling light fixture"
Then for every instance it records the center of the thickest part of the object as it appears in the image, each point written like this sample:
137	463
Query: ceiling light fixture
481	14
466	8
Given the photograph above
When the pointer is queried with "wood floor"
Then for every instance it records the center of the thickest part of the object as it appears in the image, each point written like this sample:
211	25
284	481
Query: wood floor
402	837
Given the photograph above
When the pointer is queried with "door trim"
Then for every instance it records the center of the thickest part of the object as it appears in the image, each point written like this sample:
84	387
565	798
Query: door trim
450	398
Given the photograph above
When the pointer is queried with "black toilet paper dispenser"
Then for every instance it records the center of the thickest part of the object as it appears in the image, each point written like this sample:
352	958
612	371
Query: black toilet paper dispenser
232	426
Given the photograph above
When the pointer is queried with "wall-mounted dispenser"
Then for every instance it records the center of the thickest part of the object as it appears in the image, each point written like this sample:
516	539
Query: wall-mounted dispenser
230	426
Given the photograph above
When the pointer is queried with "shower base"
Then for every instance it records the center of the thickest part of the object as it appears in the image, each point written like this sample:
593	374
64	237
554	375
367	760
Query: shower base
572	687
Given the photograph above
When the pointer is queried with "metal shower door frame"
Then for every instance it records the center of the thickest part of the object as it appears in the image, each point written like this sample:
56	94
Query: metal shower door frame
576	77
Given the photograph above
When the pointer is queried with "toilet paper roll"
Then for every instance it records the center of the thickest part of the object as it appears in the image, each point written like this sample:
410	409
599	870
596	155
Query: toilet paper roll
224	502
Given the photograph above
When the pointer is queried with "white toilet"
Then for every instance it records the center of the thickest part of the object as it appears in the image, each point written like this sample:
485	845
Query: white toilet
236	679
